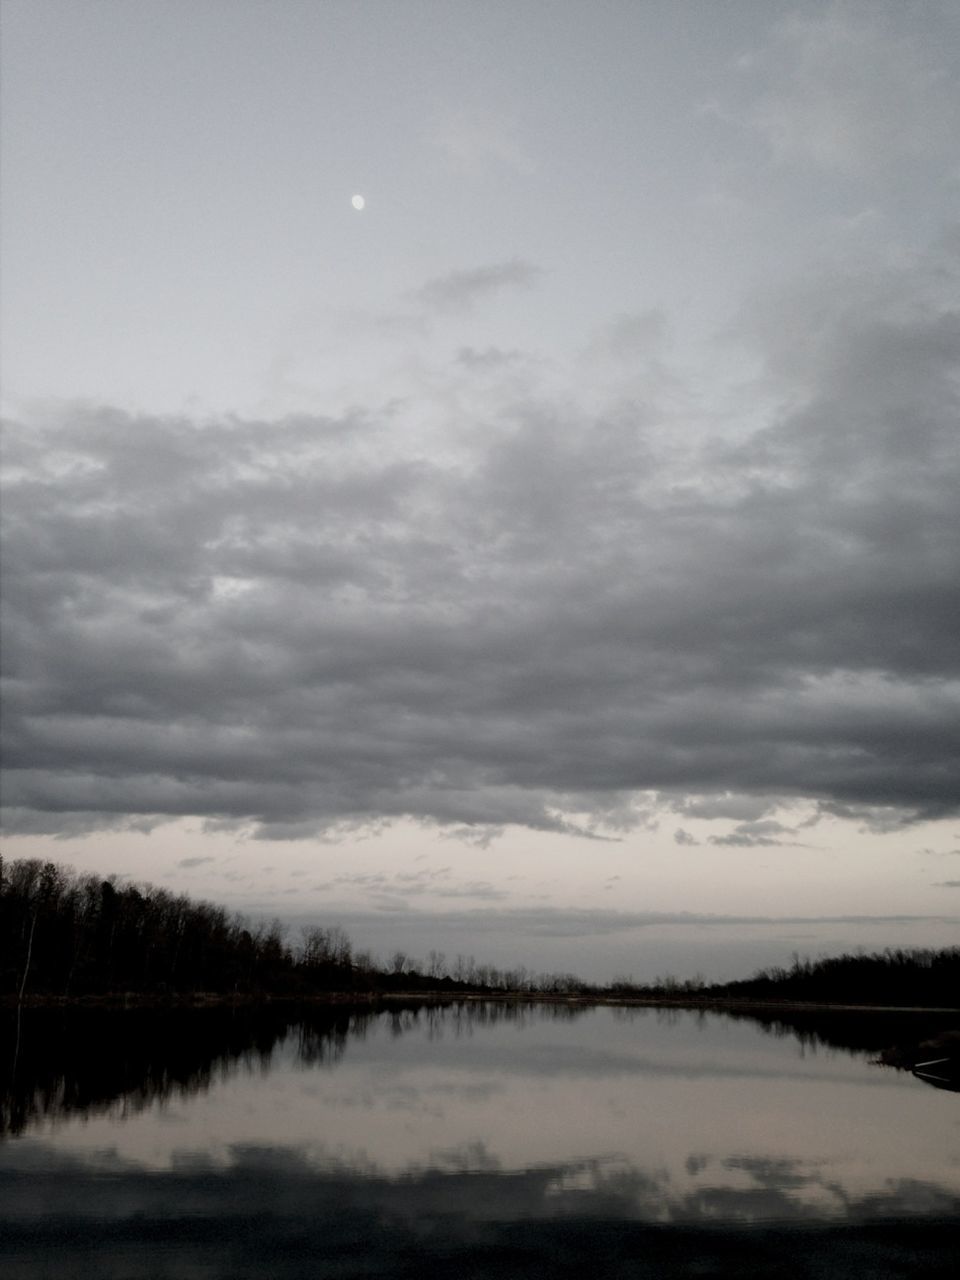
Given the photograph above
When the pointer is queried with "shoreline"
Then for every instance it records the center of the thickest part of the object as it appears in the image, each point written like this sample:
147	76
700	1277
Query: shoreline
367	999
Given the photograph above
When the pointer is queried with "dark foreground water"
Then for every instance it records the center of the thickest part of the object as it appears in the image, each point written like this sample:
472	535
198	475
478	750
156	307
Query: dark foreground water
476	1142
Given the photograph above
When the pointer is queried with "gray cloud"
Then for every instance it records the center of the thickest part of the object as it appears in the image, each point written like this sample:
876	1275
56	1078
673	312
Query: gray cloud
588	922
632	337
186	863
461	290
392	891
738	807
490	358
476	143
852	94
540	615
754	835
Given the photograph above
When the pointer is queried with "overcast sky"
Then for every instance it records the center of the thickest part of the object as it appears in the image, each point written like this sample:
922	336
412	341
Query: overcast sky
556	559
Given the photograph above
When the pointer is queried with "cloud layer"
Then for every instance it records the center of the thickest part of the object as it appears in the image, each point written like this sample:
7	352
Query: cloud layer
488	605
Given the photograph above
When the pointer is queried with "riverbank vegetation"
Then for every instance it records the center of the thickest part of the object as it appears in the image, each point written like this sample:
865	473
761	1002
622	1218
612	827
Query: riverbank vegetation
64	935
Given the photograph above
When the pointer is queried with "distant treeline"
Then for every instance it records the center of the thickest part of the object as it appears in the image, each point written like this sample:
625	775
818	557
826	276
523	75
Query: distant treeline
64	934
891	977
67	934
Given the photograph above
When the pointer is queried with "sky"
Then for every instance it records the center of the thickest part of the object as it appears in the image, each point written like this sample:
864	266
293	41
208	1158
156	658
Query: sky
555	560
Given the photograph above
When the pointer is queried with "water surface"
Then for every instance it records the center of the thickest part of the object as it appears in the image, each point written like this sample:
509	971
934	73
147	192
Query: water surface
479	1140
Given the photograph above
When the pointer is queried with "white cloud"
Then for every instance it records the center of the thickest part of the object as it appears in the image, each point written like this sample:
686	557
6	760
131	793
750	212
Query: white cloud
477	143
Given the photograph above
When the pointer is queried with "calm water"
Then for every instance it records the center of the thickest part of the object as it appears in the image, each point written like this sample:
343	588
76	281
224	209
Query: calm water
475	1142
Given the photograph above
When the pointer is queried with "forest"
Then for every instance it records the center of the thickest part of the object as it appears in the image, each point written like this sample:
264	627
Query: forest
65	935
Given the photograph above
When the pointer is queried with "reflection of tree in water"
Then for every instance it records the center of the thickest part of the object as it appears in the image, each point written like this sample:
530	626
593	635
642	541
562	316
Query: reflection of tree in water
323	1042
85	1061
854	1032
73	1062
462	1018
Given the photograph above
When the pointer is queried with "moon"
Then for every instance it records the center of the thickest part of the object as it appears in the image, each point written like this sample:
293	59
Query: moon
358	202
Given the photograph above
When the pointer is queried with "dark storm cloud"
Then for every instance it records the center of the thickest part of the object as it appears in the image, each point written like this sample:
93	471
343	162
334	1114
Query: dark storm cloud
315	623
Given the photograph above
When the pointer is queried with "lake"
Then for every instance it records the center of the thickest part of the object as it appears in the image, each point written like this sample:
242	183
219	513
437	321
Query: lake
472	1140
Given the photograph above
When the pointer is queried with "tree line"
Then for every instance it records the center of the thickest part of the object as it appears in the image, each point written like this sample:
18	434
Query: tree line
66	934
895	976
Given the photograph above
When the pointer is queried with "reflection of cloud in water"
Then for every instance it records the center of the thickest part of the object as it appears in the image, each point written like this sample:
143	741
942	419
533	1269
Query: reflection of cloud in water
279	1211
506	1116
467	1157
536	1086
38	1181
